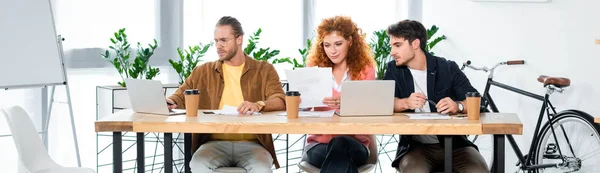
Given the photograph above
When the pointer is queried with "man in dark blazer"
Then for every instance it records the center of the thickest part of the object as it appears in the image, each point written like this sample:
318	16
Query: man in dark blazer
426	83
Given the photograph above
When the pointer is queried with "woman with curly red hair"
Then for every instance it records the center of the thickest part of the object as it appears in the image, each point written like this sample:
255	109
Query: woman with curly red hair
341	46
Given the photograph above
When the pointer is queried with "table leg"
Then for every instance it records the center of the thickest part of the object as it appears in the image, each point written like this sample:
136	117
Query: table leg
117	152
498	164
168	143
187	151
448	154
140	153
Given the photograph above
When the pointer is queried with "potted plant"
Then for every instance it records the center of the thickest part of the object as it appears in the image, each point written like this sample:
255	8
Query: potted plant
188	60
431	43
128	68
303	53
381	47
262	54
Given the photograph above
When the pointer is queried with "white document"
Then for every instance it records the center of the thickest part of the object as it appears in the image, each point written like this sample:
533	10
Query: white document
318	114
231	110
428	116
314	84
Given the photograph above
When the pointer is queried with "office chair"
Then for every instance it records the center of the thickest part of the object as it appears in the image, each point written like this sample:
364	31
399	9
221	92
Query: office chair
230	170
30	148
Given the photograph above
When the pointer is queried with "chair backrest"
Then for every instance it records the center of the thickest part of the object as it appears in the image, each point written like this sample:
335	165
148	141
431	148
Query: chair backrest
32	152
373	157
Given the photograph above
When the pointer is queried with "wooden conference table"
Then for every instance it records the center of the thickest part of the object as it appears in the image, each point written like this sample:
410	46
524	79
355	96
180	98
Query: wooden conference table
497	124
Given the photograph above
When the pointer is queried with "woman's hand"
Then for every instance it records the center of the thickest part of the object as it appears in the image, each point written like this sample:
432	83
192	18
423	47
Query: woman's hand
332	102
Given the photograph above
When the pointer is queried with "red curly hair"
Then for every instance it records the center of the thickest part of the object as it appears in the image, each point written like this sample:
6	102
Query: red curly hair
359	54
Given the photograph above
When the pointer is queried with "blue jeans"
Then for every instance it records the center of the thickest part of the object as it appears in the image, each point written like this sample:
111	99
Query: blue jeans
342	154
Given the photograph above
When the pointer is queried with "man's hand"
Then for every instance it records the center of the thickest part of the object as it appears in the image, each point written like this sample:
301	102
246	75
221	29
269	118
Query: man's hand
171	104
248	108
447	105
332	102
416	100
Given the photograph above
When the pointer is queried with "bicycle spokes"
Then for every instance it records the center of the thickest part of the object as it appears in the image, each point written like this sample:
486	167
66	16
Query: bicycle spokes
576	140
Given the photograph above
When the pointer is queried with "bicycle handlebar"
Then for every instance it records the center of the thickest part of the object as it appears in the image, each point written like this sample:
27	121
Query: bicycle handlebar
515	62
485	69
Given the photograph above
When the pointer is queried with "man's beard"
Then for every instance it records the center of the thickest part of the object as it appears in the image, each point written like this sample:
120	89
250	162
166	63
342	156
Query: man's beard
229	56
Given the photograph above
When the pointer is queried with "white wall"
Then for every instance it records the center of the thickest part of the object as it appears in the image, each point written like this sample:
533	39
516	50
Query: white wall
555	38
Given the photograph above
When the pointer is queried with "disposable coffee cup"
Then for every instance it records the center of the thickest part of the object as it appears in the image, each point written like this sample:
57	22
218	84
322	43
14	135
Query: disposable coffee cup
292	103
473	105
192	97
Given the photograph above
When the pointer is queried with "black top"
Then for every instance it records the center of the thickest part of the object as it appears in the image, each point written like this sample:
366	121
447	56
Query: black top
444	79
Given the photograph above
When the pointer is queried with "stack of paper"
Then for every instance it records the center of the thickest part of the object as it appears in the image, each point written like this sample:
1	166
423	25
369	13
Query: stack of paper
428	116
318	114
313	83
231	110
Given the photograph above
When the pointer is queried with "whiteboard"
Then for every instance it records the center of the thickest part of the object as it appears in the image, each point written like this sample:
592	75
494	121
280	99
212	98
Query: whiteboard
29	49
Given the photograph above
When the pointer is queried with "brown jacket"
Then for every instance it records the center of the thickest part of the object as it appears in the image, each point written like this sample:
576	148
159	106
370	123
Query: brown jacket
259	82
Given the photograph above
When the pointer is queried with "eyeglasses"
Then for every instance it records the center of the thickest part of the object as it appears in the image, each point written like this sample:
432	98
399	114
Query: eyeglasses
223	41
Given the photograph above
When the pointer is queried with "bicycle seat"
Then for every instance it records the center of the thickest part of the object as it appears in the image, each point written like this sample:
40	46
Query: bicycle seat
556	81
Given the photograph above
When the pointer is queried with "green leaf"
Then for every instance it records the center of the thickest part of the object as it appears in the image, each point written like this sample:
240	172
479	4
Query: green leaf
249	48
118	37
106	54
435	42
431	31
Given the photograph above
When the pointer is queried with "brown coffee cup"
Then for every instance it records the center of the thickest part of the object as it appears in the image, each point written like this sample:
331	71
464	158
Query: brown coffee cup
292	103
192	97
473	105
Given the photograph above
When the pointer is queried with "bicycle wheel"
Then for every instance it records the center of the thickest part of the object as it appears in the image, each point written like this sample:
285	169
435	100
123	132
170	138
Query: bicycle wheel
485	144
577	142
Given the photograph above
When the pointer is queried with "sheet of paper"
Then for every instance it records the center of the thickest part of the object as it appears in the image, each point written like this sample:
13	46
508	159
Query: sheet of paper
314	84
428	116
318	114
231	110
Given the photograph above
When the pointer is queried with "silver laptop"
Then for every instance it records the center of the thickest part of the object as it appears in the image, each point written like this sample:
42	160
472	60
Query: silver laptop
367	98
147	96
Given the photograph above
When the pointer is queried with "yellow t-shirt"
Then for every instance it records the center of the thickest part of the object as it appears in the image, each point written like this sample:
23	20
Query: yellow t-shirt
232	92
232	96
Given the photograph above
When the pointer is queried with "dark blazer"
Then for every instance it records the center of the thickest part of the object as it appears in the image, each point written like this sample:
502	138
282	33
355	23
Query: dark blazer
444	79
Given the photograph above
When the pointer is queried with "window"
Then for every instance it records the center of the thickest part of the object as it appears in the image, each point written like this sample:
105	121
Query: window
281	23
90	24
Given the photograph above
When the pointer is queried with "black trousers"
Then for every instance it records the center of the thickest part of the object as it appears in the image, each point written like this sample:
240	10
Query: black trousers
342	154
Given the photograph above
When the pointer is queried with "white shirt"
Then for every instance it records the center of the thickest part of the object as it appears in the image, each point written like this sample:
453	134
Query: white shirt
335	85
420	82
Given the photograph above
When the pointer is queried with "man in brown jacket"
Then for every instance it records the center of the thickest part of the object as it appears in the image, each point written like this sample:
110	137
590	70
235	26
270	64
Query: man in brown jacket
233	80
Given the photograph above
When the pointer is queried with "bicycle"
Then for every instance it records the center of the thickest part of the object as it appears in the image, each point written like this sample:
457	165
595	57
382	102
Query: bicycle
558	143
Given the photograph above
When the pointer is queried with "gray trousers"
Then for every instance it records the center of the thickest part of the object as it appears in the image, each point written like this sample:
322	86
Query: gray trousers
248	155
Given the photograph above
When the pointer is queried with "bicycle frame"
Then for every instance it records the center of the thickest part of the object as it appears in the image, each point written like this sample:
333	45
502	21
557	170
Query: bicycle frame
527	163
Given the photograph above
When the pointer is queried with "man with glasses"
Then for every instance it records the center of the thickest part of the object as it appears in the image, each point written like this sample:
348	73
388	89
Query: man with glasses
233	80
427	83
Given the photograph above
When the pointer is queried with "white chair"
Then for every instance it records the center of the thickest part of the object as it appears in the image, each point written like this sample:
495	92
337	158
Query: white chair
31	150
371	161
230	170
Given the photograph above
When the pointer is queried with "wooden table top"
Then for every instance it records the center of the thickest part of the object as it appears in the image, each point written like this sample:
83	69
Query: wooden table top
272	123
597	120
